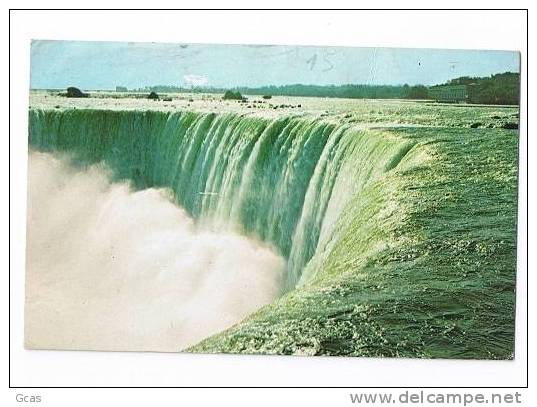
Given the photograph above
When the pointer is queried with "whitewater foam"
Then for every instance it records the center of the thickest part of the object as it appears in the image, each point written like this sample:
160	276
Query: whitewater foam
113	269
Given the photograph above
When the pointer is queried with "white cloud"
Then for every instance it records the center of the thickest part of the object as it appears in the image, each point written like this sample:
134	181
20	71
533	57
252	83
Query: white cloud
196	80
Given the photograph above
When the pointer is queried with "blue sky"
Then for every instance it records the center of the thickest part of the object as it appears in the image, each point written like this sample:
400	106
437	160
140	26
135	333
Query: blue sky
105	65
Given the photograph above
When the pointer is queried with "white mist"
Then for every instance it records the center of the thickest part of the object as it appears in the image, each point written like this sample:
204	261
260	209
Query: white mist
113	269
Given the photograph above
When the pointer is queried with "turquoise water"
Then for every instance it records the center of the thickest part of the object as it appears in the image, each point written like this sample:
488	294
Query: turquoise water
283	181
399	241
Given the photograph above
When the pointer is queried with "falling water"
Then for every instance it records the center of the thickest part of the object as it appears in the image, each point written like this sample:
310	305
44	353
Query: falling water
284	181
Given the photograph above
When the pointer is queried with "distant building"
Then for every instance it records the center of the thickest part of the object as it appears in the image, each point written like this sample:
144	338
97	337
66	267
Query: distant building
121	89
449	93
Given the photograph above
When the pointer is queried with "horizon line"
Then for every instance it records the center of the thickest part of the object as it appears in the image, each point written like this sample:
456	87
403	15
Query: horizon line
202	87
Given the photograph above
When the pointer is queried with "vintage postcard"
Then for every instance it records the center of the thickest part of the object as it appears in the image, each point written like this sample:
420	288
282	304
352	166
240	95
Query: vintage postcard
293	200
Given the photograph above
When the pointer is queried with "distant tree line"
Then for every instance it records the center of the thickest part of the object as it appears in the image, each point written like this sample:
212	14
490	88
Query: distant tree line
330	91
501	88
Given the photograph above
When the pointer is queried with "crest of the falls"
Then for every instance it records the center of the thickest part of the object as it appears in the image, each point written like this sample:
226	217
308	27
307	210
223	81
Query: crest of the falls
282	180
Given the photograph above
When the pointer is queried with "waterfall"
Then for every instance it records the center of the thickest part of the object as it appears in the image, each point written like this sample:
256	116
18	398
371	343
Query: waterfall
284	180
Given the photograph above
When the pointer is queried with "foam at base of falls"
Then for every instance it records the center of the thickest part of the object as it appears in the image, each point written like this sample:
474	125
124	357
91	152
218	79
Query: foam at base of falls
113	269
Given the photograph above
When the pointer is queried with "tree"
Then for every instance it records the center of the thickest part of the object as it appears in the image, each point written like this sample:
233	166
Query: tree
232	95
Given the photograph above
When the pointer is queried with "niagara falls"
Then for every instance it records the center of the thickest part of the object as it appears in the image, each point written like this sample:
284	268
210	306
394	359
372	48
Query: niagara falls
295	214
